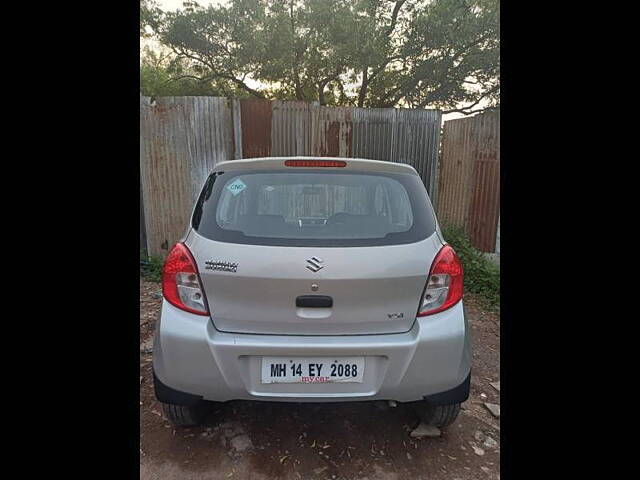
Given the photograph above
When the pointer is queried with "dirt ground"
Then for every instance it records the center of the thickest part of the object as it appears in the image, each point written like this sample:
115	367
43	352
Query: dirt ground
363	440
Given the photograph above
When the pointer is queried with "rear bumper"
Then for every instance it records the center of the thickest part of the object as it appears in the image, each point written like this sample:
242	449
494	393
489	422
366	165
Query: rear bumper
192	360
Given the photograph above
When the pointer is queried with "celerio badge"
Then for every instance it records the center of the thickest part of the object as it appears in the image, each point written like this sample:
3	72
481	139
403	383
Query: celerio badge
221	266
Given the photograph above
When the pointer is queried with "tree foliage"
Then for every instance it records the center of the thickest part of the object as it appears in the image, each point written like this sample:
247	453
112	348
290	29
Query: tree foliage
150	15
373	53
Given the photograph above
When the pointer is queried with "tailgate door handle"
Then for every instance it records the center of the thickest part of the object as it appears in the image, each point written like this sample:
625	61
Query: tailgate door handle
314	301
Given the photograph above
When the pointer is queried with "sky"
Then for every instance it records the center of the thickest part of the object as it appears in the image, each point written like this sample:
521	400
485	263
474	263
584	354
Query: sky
171	5
177	4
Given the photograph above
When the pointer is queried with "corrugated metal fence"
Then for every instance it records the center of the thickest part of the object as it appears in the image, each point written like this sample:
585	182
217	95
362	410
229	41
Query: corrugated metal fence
182	138
469	178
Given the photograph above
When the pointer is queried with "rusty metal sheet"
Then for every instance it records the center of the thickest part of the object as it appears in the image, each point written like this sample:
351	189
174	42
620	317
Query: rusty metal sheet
237	128
143	228
164	168
181	140
485	203
291	128
456	170
332	131
256	128
208	131
399	135
373	133
415	141
469	177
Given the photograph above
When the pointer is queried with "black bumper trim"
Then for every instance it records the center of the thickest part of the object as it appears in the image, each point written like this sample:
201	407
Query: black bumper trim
166	394
456	395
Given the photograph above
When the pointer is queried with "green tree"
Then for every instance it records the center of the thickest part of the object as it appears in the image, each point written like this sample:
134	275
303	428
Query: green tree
162	74
448	54
373	53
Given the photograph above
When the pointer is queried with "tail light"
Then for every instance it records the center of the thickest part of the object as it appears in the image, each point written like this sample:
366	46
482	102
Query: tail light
181	285
445	283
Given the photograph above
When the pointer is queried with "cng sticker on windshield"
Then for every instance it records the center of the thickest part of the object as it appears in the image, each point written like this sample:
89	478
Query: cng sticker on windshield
236	187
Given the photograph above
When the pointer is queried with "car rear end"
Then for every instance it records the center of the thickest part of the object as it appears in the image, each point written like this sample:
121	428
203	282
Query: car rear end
305	279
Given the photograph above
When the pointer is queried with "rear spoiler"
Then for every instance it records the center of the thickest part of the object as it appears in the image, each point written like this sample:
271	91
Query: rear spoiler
329	163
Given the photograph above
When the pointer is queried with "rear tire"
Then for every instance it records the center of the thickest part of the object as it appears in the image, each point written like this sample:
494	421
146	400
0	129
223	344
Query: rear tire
182	416
438	415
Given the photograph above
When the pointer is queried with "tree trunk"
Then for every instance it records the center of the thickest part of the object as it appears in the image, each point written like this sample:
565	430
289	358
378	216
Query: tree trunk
321	98
363	88
299	93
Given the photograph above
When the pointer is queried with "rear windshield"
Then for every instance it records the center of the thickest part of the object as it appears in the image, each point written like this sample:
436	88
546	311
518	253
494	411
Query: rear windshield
314	208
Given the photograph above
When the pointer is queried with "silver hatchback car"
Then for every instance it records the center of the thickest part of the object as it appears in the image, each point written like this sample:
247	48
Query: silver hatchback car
305	279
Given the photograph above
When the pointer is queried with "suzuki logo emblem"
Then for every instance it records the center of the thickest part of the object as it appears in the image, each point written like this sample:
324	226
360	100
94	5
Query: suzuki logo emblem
314	264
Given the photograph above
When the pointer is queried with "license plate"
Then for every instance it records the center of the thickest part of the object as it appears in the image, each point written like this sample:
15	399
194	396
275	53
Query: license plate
312	369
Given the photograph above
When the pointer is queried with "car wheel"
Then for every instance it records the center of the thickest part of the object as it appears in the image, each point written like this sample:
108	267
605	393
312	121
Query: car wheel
183	416
438	415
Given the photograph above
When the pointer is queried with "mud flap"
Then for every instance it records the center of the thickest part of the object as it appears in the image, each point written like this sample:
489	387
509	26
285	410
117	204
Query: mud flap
456	395
166	394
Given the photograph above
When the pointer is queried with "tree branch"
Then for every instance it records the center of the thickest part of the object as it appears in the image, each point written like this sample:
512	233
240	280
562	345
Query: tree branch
394	17
364	85
366	79
216	74
471	112
193	77
466	110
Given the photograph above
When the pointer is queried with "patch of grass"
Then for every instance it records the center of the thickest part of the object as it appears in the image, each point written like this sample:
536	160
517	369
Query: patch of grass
481	276
150	267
